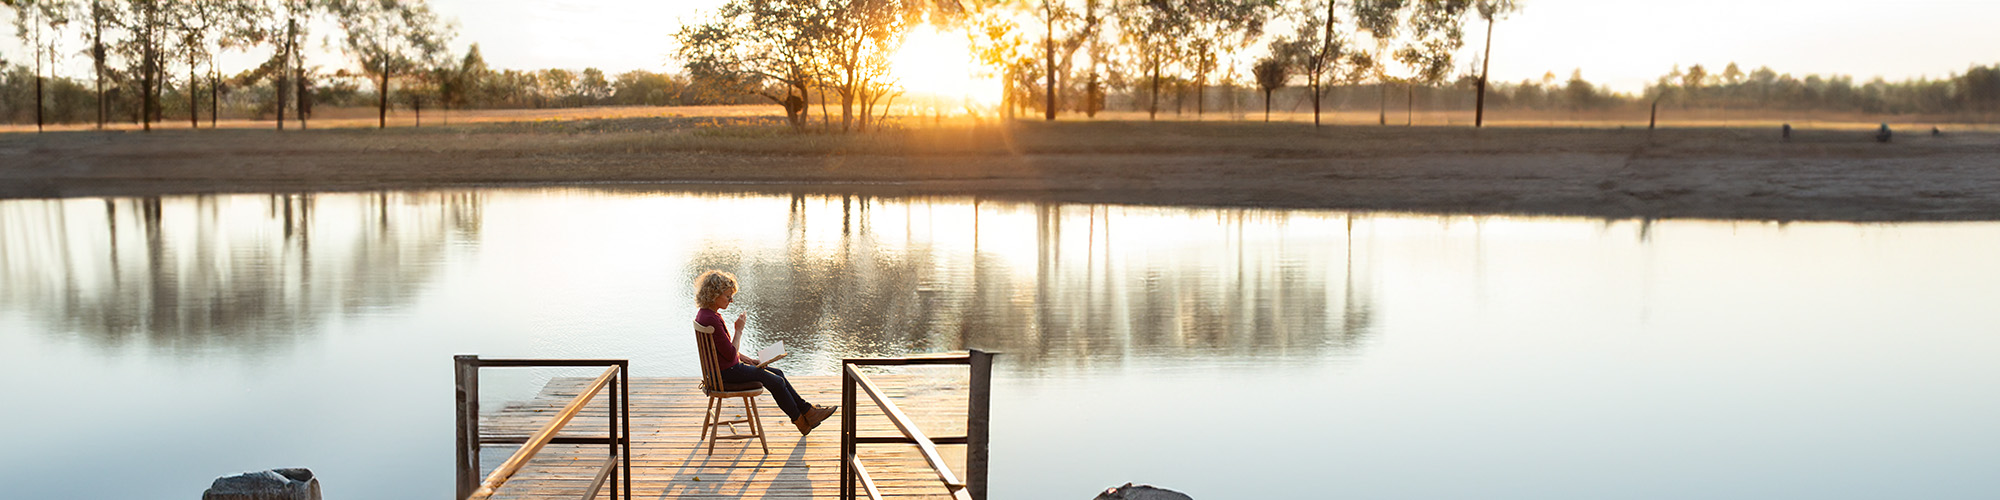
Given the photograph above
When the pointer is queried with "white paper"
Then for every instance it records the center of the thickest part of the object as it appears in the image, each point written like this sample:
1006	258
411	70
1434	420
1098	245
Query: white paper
771	351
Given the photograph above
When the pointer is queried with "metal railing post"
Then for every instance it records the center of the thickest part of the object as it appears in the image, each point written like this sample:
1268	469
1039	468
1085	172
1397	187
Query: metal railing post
847	433
465	374
611	437
977	416
625	376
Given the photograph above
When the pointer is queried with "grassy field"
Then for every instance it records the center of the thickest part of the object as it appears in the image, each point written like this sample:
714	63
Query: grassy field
1828	171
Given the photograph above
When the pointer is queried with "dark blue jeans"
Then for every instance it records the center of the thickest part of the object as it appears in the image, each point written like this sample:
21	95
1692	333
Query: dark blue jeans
774	383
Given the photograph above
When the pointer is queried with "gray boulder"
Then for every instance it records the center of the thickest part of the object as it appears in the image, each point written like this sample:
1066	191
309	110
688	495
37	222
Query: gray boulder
274	484
1141	492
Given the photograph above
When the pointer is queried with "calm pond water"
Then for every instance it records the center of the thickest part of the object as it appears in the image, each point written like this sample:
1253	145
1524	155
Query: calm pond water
152	344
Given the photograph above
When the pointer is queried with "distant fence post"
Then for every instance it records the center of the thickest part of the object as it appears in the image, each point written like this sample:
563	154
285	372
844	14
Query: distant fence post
465	375
977	417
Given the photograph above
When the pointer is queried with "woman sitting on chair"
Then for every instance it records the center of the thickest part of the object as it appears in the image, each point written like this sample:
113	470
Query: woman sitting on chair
713	291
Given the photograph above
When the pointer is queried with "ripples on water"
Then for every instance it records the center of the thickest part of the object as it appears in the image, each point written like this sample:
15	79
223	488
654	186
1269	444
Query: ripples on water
1394	355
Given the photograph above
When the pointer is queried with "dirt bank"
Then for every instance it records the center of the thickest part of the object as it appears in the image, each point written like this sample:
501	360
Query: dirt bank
1746	173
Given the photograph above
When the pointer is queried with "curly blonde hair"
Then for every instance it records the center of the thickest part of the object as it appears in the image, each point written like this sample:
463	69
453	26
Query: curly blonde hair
711	285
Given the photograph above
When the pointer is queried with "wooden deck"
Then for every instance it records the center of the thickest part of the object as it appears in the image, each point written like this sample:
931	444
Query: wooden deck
668	461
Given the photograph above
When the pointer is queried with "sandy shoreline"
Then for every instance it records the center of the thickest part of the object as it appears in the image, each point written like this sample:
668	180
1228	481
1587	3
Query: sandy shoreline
1728	173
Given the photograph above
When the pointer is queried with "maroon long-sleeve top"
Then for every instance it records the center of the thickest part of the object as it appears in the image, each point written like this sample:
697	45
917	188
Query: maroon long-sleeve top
725	351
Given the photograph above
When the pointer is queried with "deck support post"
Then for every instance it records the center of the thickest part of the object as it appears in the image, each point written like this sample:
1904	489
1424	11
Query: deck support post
611	412
465	374
625	414
977	416
847	433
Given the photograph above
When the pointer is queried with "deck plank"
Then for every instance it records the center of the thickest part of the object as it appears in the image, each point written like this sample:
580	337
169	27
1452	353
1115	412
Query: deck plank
669	460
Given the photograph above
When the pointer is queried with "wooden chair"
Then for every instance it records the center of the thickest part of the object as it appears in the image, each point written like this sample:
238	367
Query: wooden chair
718	391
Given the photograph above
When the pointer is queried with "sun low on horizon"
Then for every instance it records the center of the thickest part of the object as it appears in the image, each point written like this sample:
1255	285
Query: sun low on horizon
936	68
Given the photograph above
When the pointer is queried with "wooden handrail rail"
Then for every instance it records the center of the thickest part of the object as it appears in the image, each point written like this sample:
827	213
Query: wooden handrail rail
541	437
867	482
545	363
949	358
603	473
910	430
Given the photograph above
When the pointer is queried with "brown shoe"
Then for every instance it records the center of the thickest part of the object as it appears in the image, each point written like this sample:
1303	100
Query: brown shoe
813	417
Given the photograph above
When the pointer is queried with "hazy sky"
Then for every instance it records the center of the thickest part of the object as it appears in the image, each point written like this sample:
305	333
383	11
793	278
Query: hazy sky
1625	43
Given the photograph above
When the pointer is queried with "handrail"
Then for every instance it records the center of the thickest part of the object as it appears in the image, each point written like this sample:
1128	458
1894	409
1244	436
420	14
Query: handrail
977	416
947	358
910	430
541	437
615	377
603	472
866	480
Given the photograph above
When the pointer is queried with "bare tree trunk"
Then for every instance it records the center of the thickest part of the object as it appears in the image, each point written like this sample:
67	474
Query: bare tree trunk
1049	48
97	58
1267	105
1180	98
825	115
194	108
1325	60
160	85
1093	93
1317	95
1200	94
284	70
1007	96
885	110
1486	61
147	81
301	93
1155	113
1229	89
38	74
382	112
861	105
214	92
1382	118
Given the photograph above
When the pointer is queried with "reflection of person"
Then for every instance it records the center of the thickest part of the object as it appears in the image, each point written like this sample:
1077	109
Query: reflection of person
714	291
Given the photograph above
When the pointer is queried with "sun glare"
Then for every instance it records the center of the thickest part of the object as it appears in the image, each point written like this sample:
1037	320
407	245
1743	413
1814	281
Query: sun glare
936	69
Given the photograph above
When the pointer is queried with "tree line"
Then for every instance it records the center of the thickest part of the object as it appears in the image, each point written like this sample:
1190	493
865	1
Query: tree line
1973	92
1069	55
1082	56
154	59
1977	90
472	85
144	51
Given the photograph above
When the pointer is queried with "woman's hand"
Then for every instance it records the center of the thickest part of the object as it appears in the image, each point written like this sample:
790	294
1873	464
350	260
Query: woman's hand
740	318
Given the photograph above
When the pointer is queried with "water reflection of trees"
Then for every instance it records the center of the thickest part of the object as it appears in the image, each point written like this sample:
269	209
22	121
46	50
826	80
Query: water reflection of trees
1086	293
247	272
